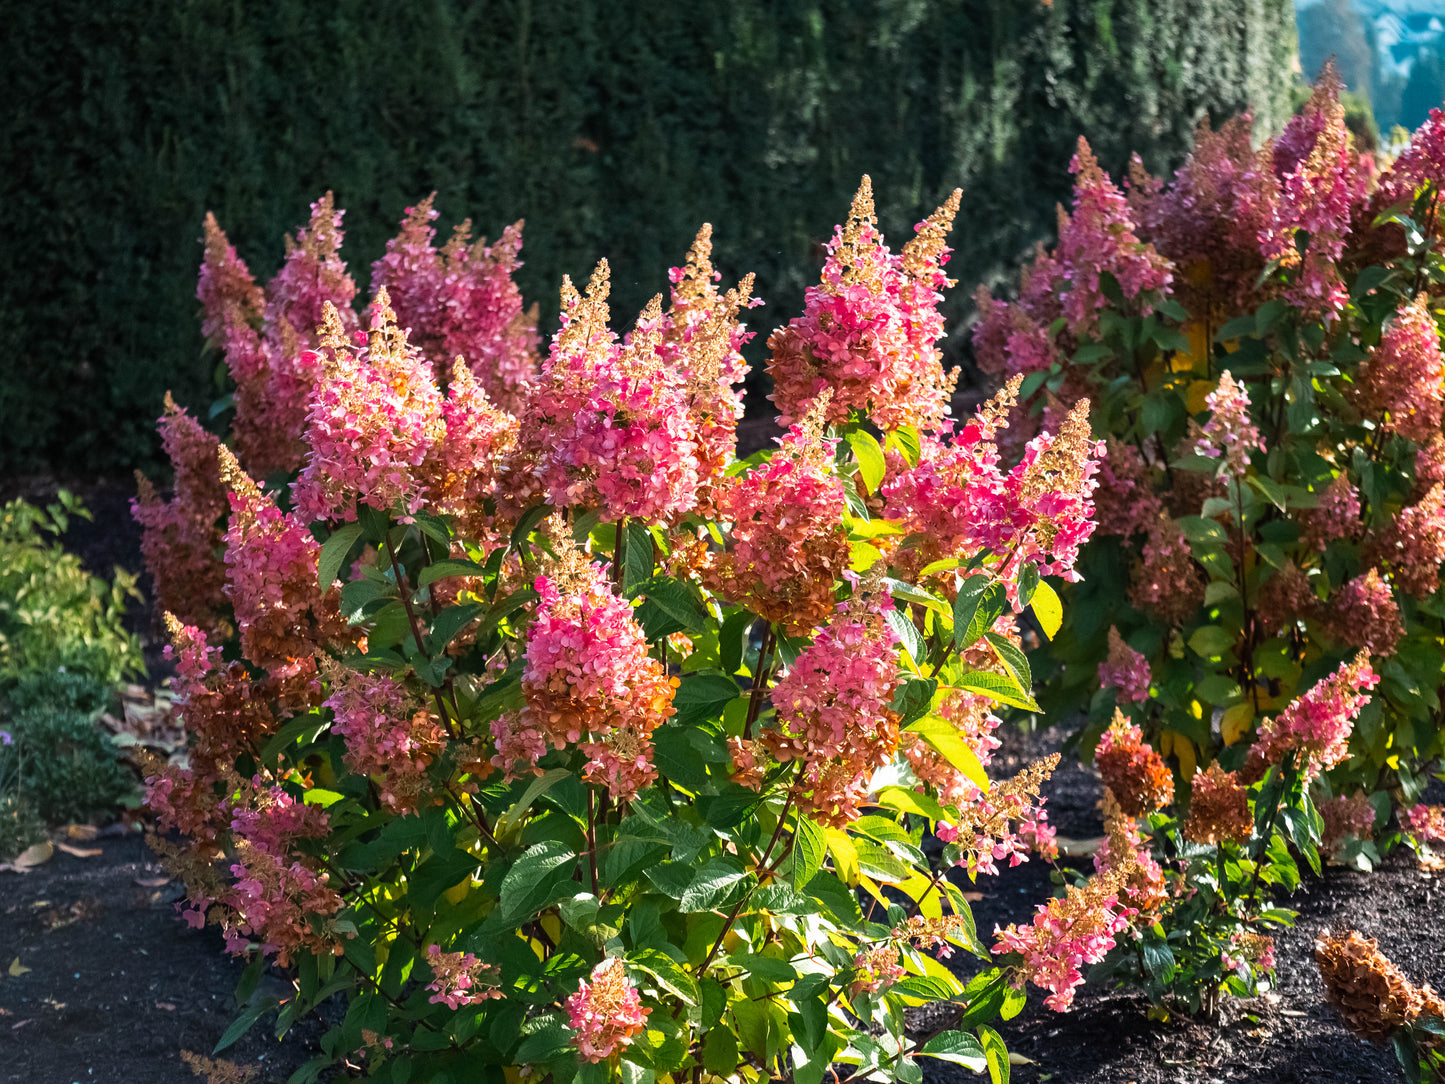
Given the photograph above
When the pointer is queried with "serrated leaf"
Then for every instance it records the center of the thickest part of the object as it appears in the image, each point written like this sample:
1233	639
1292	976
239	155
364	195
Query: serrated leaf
333	553
1001	688
1210	641
980	601
667	971
450	622
958	1047
703	696
871	464
1013	659
997	1053
714	886
945	738
810	848
678	601
441	570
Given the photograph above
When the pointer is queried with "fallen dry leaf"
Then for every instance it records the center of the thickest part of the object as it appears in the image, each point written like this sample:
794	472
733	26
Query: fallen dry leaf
79	852
17	968
1077	848
1015	1058
152	882
81	831
18	1025
973	897
29	858
165	1005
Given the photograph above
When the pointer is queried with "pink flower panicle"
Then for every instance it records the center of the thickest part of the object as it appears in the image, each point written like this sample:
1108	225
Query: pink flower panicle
1423	823
588	679
1125	670
1316	726
180	537
1364	614
1414	545
1229	435
787	547
271	559
1167	582
463	470
1336	515
227	292
374	417
1125	501
390	737
1346	817
270	819
609	426
875	968
1400	382
1125	848
461	301
1100	236
285	903
1133	771
459	978
869	331
833	708
606	1013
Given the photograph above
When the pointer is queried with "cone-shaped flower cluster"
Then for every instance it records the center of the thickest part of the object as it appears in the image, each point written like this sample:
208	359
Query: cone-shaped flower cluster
1229	435
1218	808
1137	775
459	978
1400	382
389	736
605	1014
1125	670
869	332
1316	727
1371	993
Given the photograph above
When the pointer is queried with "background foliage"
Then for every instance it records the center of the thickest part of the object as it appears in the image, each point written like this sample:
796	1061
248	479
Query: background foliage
616	128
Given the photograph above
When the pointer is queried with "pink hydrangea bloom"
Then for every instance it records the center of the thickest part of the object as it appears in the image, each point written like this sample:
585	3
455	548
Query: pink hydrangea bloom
461	301
389	736
459	978
876	968
1337	515
374	417
1125	670
180	537
1400	382
1364	613
1414	545
269	818
605	1014
282	902
1424	823
1100	237
588	679
1125	501
1167	582
1066	933
833	709
1345	817
608	425
1007	341
227	292
1316	726
271	561
869	331
1229	435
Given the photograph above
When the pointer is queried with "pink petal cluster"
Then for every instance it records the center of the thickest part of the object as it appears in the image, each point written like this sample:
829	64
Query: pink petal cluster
787	547
605	1014
389	736
271	567
459	978
1321	184
1144	888
374	417
1008	341
588	678
180	537
1316	726
1424	823
1126	670
875	968
1125	501
465	468
1167	582
1364	613
1066	933
1400	383
283	902
833	710
1229	435
608	425
1413	545
1337	514
270	819
461	301
869	331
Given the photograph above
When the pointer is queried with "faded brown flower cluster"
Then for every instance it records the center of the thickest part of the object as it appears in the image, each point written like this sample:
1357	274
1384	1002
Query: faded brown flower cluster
1371	993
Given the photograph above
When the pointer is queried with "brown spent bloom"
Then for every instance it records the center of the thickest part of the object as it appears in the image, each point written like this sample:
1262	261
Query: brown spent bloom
1218	808
1005	801
219	1070
1371	993
1134	771
862	220
923	249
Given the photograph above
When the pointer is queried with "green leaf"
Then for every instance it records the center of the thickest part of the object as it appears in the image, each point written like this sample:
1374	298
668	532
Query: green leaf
702	696
958	1047
944	737
979	603
1211	641
810	848
905	439
913	699
997	1054
333	553
714	886
528	879
638	563
871	464
678	601
908	635
509	821
669	974
1013	659
441	570
1048	610
768	968
1001	688
450	622
245	1022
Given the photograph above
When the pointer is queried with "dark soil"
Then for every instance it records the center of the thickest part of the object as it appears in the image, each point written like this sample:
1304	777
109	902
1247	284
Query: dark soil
118	986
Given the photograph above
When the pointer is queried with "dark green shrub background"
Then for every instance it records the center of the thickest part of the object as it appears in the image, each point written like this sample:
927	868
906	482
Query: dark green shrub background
614	128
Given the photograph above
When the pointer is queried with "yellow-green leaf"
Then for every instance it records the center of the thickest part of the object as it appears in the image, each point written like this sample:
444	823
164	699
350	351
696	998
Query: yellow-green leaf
1048	609
944	736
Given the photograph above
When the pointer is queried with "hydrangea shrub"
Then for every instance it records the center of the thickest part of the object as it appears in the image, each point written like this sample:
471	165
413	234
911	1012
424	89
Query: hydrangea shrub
1260	335
554	737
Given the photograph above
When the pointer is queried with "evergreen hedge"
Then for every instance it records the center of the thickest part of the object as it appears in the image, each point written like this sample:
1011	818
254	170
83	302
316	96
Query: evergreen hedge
615	129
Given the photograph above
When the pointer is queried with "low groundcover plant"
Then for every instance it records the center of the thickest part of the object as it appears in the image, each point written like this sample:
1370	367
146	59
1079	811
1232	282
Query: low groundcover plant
556	739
